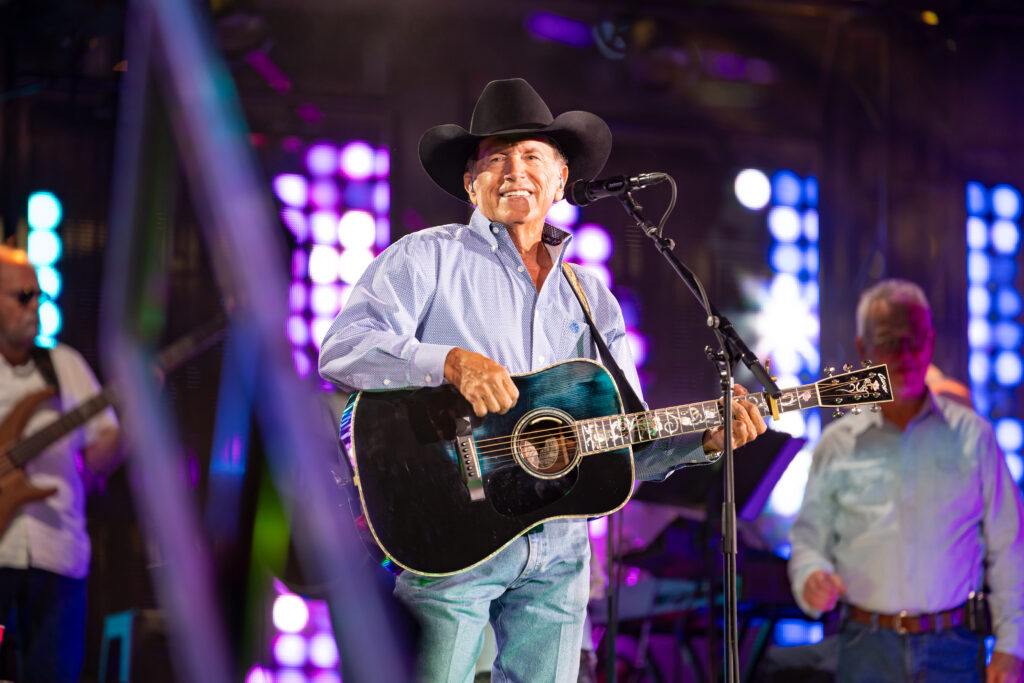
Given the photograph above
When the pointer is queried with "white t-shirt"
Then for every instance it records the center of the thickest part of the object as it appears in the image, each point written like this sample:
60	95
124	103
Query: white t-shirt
50	534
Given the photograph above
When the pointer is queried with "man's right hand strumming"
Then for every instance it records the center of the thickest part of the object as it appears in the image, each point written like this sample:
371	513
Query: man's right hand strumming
822	590
484	383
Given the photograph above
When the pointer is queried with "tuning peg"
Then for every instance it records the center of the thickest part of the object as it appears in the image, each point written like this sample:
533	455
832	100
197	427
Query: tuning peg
830	370
876	408
837	413
866	363
847	367
856	411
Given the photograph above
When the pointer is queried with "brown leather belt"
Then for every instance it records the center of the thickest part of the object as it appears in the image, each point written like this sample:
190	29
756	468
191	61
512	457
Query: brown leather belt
906	624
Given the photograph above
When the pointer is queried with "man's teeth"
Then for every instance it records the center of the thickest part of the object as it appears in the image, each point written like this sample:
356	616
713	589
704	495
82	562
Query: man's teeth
516	193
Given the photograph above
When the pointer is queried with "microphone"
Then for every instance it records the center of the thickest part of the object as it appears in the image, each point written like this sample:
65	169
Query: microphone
584	192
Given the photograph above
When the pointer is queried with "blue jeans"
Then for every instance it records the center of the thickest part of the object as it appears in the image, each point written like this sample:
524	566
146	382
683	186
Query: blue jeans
44	621
873	655
534	593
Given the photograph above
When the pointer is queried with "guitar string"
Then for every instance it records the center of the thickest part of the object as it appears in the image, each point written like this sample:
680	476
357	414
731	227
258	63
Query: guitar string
504	449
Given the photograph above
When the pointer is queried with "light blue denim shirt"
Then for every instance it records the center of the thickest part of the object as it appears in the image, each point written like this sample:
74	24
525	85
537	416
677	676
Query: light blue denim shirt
917	519
466	286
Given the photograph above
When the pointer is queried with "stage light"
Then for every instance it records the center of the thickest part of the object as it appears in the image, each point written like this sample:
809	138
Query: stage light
290	676
811	225
295	220
810	191
302	362
1006	202
322	159
383	232
1008	368
786	258
290	613
563	214
50	319
323	651
1005	236
258	674
318	329
977	233
598	527
593	243
752	189
44	211
1003	269
300	264
790	632
559	29
1008	302
979	267
811	294
786	188
979	333
325	677
292	189
324	194
343	293
788	494
1009	434
323	264
352	263
979	367
977	199
787	361
637	346
298	333
1016	466
600	272
324	227
811	257
323	300
382	162
784	223
49	281
357	160
359	195
357	230
979	301
1007	334
381	197
44	248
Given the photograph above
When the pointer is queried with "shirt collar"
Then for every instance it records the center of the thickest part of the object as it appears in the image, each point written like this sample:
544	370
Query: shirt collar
489	230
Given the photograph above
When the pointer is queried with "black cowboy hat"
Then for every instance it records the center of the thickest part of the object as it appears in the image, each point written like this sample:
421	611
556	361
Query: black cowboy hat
512	107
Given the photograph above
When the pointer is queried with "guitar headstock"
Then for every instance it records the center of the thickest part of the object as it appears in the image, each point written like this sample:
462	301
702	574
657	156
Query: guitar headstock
866	386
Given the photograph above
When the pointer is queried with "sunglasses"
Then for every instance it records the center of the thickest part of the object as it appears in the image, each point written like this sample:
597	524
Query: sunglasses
25	296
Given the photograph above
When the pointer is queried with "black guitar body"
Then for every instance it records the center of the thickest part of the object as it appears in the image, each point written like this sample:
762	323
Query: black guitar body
412	487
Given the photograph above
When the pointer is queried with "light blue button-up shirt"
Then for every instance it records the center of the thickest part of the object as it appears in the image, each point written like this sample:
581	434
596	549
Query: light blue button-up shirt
467	286
911	519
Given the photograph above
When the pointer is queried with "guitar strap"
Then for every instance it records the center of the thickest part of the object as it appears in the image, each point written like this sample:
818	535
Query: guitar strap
630	400
44	363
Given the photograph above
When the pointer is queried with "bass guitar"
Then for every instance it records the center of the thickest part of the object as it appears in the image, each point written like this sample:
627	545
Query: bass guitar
443	490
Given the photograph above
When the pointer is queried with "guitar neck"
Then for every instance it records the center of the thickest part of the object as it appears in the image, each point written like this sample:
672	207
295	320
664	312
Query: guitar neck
34	444
616	431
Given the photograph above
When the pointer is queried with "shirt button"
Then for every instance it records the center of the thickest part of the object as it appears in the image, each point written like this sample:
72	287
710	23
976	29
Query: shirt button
387	382
520	269
494	229
428	378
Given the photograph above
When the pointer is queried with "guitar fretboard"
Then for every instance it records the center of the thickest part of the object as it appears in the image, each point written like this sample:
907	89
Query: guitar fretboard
617	431
37	442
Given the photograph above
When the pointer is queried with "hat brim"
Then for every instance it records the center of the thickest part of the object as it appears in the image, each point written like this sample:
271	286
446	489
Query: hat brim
583	137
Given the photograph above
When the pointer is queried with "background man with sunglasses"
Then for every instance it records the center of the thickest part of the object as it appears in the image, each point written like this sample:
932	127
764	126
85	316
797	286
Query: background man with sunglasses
906	513
44	554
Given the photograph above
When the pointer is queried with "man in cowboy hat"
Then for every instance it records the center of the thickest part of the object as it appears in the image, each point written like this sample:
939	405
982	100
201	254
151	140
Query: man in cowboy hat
470	303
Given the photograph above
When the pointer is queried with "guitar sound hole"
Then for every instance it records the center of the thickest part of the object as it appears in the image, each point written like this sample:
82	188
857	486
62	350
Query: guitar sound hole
545	444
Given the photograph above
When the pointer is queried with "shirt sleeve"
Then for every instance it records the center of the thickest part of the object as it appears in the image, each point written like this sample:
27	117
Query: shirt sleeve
1003	530
78	384
664	456
811	533
372	343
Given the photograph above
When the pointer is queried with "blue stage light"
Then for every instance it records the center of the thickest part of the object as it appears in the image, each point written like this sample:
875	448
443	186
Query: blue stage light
979	268
752	188
1007	334
786	258
784	223
1008	302
1005	236
1008	368
786	188
977	199
44	211
1006	202
977	233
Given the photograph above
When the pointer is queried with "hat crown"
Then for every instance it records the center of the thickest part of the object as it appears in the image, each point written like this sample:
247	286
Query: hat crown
509	104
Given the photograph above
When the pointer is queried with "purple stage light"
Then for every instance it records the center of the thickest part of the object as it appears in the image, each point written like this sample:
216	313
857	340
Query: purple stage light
357	160
290	613
637	346
318	328
290	650
300	264
299	336
295	220
324	194
322	159
292	189
325	677
563	214
324	301
599	271
343	293
559	29
358	195
357	230
593	243
258	674
323	264
270	72
381	197
324	226
302	363
291	676
352	263
383	232
382	162
323	651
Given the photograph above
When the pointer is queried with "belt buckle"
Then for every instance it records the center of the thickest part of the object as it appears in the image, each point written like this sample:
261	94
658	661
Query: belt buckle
900	628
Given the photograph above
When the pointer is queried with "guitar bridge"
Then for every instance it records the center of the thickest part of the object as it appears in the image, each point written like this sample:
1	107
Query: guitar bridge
470	464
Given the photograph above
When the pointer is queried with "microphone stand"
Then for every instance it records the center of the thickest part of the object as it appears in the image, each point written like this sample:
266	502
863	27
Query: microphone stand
731	350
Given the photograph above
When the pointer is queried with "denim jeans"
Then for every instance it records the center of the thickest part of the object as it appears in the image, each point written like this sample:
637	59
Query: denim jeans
534	593
44	619
874	655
